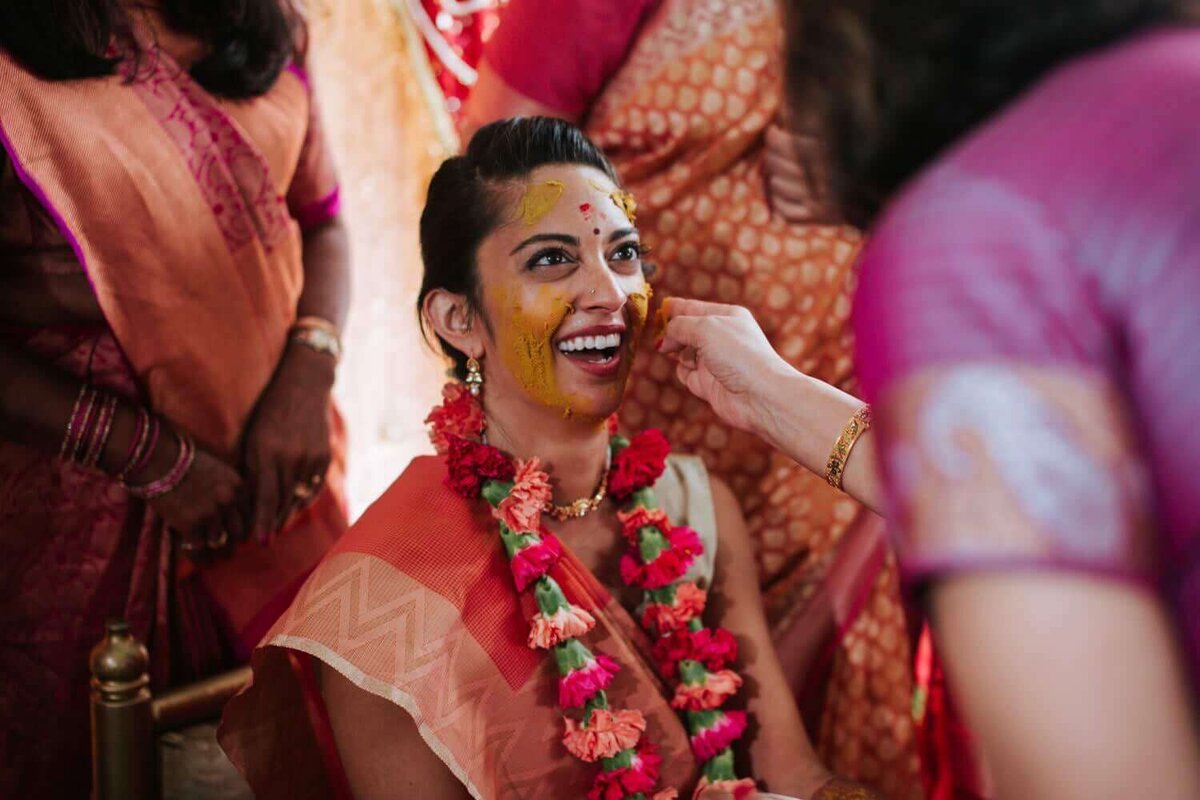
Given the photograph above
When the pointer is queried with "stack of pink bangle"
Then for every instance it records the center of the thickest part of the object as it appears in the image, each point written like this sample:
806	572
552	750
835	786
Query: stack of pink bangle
88	431
89	427
160	486
142	446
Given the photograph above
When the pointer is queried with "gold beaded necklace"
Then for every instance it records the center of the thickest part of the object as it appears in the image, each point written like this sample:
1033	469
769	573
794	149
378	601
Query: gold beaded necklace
583	506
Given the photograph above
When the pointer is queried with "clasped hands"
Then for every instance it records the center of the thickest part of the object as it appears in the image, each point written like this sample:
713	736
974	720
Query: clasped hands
286	453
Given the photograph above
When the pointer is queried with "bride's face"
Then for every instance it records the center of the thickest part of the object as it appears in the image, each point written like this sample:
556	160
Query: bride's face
563	292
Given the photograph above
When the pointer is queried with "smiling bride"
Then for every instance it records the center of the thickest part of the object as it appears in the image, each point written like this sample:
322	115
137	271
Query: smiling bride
546	609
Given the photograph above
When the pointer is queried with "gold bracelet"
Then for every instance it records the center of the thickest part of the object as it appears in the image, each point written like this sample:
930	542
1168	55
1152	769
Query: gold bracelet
855	428
316	323
318	333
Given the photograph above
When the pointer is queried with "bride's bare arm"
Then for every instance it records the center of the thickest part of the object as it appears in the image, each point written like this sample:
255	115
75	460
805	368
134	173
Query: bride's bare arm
381	750
780	754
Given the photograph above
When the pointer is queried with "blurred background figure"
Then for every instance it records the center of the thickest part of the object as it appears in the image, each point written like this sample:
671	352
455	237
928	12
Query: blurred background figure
173	280
685	98
1026	325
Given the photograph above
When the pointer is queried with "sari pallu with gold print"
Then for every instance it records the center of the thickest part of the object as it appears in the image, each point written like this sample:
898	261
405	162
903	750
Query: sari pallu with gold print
683	120
184	212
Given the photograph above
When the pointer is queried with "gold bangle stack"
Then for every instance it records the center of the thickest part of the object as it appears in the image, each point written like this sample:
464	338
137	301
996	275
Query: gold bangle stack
318	333
855	428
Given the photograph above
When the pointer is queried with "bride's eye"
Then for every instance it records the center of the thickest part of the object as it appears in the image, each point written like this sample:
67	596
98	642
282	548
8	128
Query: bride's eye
550	257
629	251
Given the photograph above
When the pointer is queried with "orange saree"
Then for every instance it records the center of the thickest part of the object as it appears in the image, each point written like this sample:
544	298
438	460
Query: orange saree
679	94
416	605
184	213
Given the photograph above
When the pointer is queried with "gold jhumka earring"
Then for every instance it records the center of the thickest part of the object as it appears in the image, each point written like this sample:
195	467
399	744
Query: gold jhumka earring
474	377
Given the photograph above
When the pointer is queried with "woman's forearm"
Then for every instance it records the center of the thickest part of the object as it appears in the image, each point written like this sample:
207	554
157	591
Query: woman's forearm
802	417
326	273
38	400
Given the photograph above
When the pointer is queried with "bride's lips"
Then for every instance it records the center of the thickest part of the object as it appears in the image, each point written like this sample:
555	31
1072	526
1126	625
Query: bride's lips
597	349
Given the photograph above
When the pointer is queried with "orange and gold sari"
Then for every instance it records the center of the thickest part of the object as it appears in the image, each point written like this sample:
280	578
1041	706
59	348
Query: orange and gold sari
184	211
416	605
679	94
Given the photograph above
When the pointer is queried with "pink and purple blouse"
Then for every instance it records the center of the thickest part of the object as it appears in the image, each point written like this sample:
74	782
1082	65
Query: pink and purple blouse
1039	286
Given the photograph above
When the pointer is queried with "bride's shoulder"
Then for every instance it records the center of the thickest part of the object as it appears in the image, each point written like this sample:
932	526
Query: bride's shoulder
417	502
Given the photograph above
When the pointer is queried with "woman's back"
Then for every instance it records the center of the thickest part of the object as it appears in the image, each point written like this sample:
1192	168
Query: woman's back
1068	238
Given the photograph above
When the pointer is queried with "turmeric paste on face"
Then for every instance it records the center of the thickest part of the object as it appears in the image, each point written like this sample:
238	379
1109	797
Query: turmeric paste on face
539	200
527	346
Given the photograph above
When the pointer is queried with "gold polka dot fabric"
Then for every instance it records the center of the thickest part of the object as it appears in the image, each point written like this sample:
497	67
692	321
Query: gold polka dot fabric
683	121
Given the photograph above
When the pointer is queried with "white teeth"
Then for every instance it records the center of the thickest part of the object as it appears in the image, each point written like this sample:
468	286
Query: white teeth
590	343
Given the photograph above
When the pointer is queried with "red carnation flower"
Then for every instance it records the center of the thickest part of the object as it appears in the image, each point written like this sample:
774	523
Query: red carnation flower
459	415
639	465
469	464
641	517
665	569
640	776
685	541
715	649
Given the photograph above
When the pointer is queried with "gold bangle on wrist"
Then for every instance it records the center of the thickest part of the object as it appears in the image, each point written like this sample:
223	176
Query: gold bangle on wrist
855	428
319	334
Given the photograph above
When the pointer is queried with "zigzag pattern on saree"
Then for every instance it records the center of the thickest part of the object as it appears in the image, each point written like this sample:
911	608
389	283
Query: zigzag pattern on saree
379	620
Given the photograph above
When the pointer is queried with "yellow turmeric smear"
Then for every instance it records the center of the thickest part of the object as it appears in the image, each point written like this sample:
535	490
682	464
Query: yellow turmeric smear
539	200
661	318
627	203
526	345
639	311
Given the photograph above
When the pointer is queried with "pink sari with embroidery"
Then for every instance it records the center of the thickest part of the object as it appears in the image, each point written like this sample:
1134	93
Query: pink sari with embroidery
185	213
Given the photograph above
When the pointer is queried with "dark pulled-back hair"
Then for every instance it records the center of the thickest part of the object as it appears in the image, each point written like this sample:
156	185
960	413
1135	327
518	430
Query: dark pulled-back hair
248	41
896	81
465	201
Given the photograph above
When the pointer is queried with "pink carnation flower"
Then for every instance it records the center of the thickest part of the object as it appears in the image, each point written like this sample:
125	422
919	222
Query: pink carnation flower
532	562
521	511
716	689
569	622
666	568
580	685
725	731
607	733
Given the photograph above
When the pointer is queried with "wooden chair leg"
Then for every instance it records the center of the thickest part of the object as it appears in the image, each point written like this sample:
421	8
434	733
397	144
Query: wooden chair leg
124	756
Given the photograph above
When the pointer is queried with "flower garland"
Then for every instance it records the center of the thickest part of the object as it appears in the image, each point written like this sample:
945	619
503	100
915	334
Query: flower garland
693	658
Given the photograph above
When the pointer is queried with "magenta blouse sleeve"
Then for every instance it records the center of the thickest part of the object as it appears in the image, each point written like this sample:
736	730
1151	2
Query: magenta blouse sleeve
561	53
1002	422
965	268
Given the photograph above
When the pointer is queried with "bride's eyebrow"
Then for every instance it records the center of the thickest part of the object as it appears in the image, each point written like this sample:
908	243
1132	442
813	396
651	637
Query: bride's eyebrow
561	238
621	234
